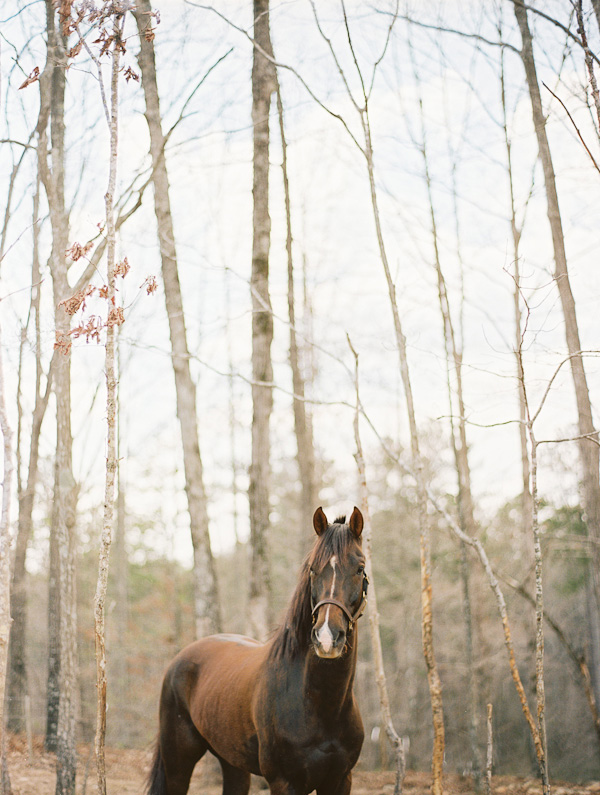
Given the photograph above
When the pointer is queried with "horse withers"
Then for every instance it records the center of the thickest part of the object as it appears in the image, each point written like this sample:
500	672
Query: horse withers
285	709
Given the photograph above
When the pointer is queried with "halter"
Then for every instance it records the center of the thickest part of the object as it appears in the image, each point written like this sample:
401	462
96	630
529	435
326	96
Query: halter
352	617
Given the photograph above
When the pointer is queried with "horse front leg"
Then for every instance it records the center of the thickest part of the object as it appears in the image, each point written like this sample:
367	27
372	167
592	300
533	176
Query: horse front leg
235	781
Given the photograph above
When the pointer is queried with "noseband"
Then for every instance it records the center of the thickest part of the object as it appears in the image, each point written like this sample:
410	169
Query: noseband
352	617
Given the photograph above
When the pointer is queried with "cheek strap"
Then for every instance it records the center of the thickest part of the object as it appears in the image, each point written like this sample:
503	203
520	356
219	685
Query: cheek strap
352	617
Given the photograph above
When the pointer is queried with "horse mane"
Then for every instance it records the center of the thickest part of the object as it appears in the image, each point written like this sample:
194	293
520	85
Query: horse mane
293	636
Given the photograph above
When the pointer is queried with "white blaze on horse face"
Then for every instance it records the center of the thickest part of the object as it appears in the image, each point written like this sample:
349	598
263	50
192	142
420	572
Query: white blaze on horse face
324	635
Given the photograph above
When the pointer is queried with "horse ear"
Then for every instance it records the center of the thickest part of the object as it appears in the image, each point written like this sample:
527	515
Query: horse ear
356	522
320	522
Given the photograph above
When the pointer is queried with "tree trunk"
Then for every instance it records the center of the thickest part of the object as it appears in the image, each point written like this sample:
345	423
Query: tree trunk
111	417
526	500
232	412
121	607
461	456
596	7
384	701
62	681
4	569
17	678
433	679
206	598
540	686
588	446
302	423
263	85
65	490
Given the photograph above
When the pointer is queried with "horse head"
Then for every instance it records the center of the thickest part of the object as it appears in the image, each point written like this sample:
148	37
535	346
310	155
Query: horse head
338	582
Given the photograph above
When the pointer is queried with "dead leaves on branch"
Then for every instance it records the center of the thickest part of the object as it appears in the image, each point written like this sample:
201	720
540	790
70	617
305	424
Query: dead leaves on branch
76	302
73	12
90	328
150	284
77	251
101	17
33	77
122	268
129	74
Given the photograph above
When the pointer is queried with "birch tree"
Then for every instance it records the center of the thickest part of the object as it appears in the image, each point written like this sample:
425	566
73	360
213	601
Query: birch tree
5	619
454	365
516	232
588	441
62	682
115	23
17	677
435	687
386	712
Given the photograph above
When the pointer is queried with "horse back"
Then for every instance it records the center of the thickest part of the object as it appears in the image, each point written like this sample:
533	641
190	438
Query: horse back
215	679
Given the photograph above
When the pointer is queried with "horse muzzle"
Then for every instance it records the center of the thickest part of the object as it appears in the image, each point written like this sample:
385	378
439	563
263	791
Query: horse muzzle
328	639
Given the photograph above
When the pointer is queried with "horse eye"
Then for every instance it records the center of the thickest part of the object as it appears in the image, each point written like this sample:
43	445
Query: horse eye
361	569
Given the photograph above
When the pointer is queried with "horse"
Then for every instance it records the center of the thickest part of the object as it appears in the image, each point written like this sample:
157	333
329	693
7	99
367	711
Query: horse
285	709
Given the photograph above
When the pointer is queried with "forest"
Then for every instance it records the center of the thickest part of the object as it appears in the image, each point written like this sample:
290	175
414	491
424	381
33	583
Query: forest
258	258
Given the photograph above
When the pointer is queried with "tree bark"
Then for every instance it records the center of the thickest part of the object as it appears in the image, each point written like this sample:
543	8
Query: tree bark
526	499
263	85
111	416
62	682
17	677
121	608
461	456
540	686
206	598
596	7
588	444
435	685
5	618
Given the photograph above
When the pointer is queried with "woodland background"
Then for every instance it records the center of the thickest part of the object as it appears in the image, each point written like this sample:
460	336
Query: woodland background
463	208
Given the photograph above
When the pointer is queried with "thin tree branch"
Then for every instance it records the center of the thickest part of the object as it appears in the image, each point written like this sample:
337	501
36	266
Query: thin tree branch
577	130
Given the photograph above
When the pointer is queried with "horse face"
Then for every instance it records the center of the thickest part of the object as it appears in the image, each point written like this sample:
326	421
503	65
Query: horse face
337	592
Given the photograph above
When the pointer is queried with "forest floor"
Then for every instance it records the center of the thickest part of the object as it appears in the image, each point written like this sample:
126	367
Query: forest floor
126	771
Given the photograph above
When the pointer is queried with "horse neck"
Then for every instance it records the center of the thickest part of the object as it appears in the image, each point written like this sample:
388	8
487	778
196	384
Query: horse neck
329	682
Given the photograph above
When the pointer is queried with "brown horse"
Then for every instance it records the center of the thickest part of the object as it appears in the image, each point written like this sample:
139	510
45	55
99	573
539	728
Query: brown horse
285	709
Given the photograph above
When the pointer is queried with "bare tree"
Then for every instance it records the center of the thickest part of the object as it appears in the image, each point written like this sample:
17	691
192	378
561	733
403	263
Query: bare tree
62	683
113	24
17	678
121	571
516	232
263	86
596	7
588	441
540	686
435	686
5	619
458	428
206	598
386	713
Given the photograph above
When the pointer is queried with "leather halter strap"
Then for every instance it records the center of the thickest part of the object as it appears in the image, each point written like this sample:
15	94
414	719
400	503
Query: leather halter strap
352	617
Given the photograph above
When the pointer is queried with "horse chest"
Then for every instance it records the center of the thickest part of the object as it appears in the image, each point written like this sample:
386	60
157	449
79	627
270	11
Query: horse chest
309	744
